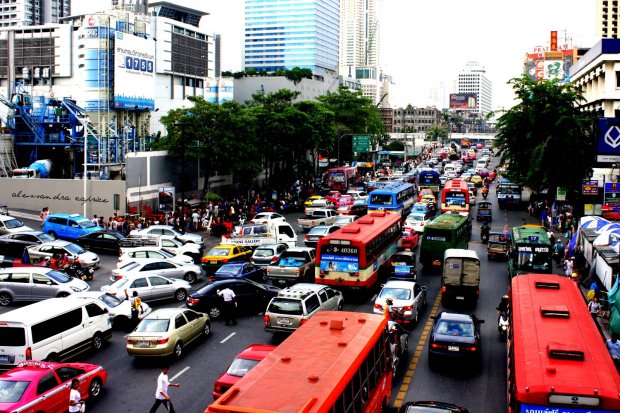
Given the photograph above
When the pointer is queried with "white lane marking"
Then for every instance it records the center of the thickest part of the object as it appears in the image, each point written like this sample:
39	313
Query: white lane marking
228	337
179	373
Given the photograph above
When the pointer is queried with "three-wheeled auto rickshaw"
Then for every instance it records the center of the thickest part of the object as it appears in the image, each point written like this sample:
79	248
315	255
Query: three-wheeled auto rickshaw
498	245
485	212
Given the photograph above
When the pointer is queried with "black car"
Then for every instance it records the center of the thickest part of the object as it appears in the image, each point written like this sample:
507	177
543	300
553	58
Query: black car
103	241
251	297
455	338
12	245
430	407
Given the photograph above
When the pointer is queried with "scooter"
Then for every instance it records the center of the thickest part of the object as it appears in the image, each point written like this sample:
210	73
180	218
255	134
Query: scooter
502	325
399	344
485	192
76	271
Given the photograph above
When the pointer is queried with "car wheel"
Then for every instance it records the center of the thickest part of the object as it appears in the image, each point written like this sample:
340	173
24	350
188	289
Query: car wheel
5	299
63	294
53	234
178	349
94	388
215	312
340	305
52	358
190	277
206	330
97	342
180	294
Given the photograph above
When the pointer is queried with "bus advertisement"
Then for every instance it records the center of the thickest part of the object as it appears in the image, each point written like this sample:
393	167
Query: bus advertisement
455	196
508	194
429	178
395	198
341	179
352	256
557	359
449	230
356	377
531	251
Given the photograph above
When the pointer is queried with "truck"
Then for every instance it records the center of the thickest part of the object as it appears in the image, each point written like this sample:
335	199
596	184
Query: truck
166	242
460	282
318	217
253	235
295	265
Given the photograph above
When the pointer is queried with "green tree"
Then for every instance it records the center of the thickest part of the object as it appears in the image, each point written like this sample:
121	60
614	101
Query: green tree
395	145
546	139
437	133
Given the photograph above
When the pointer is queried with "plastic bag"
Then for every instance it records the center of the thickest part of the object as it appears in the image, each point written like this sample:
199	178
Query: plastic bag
590	295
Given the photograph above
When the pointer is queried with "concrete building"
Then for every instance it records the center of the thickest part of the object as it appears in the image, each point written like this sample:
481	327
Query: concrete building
283	34
607	16
33	12
472	80
411	119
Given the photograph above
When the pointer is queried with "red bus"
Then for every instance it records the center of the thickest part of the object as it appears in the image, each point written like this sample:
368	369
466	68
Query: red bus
336	362
352	256
455	196
557	360
342	178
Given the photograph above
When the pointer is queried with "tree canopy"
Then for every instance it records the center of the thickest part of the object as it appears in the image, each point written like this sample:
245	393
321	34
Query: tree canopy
546	139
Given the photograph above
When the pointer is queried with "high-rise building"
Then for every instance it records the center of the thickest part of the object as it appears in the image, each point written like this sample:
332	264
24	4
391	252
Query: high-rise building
473	83
607	17
33	12
283	34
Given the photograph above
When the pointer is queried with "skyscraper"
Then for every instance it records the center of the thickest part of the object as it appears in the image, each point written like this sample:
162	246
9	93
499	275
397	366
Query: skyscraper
282	34
473	80
607	16
33	12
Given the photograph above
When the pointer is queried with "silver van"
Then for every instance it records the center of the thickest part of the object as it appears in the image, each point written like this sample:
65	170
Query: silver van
297	303
35	284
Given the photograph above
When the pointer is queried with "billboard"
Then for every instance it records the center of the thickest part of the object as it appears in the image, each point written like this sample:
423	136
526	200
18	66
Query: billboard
134	72
608	140
549	65
463	100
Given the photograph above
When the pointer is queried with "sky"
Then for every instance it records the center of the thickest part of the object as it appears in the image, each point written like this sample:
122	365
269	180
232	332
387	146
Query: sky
424	44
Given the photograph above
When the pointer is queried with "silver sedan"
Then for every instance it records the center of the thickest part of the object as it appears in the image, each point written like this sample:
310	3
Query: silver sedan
165	268
74	252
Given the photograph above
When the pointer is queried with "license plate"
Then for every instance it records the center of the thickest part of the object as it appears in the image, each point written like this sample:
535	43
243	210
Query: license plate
285	321
144	343
4	358
460	297
453	348
313	238
212	262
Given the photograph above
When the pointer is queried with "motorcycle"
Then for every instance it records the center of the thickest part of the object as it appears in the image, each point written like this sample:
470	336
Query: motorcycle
502	325
399	343
484	234
76	271
485	192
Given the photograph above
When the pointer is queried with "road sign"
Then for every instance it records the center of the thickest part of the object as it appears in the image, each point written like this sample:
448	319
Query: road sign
612	188
361	143
589	187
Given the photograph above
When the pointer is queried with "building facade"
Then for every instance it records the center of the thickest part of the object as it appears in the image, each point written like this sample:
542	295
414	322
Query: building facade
607	16
283	34
472	80
410	119
33	12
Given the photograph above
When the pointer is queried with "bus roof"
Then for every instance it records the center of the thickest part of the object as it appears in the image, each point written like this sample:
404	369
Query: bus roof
447	221
557	347
456	184
309	370
392	187
531	234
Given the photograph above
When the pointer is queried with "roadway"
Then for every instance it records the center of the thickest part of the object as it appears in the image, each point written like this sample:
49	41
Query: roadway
131	383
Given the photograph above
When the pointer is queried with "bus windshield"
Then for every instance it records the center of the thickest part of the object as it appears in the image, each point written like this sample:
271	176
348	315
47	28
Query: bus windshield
381	199
455	199
533	262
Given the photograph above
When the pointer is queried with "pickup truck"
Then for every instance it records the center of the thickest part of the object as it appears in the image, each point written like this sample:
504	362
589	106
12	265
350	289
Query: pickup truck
253	235
295	265
316	205
318	217
169	243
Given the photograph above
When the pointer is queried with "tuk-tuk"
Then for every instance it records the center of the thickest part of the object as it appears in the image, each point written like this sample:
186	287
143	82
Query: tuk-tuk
485	212
404	265
498	245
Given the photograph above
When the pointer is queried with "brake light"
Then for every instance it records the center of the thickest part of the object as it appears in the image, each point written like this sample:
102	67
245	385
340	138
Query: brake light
211	279
224	260
117	277
267	320
307	238
443	289
302	321
408	308
378	306
296	270
274	259
113	293
478	292
162	341
438	346
28	353
471	348
130	341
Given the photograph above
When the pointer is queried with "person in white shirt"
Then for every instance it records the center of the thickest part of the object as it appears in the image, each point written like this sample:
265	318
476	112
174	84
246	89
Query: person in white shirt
229	305
75	398
161	395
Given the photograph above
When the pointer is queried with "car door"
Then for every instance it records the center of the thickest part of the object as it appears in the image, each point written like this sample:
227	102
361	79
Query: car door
161	288
19	284
43	287
150	268
54	399
73	230
141	285
193	322
108	242
245	295
169	269
327	303
183	330
418	299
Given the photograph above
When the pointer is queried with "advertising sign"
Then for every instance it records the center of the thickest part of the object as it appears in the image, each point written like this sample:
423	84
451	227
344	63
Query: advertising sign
612	188
554	41
589	187
134	72
463	100
607	139
339	258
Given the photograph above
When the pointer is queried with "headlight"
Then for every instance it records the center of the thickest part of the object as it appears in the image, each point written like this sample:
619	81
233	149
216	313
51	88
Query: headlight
76	289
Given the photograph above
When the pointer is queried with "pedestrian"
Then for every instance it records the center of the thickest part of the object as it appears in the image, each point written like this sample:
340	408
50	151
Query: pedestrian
76	403
613	346
230	305
595	307
44	213
161	395
95	220
568	266
136	308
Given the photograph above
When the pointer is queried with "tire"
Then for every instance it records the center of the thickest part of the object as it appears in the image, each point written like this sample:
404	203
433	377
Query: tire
97	342
206	330
94	388
53	234
190	277
177	352
340	305
63	294
215	312
5	299
52	358
180	295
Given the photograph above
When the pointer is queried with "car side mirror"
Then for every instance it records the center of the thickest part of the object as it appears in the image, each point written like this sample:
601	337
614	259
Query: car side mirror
105	310
434	317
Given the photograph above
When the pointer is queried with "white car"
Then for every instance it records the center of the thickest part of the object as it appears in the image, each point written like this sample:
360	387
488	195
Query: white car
407	296
188	272
357	194
118	307
86	259
10	225
267	218
472	198
152	253
416	221
149	287
156	231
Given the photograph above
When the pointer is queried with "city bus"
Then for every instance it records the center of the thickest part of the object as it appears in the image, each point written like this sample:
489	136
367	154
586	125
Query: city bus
449	230
342	178
455	196
557	359
508	194
353	256
313	372
395	198
531	251
429	178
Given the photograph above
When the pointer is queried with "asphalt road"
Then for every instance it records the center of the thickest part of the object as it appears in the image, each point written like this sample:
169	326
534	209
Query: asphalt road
131	383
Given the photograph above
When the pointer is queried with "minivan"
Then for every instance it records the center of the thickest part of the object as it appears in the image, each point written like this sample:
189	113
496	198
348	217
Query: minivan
68	226
35	284
53	330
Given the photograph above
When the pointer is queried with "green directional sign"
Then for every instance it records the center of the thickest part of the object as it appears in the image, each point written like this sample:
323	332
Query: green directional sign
361	143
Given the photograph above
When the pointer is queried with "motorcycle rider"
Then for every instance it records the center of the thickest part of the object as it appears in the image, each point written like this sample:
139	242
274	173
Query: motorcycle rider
485	229
485	192
502	313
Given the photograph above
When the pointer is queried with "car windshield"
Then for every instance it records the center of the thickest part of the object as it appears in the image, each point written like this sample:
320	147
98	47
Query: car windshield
110	300
318	231
396	293
85	223
74	249
13	223
58	276
46	237
150	325
415	217
11	391
218	252
240	367
264	252
455	328
229	269
420	208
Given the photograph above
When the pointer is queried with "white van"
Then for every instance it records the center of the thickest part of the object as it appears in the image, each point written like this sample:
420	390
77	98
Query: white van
52	330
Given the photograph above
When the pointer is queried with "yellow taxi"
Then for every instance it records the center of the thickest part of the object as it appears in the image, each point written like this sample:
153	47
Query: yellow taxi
312	199
428	199
224	253
471	152
476	179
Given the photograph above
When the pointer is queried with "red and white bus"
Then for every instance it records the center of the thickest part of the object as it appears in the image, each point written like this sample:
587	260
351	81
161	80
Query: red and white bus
342	178
352	256
455	196
557	359
313	372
